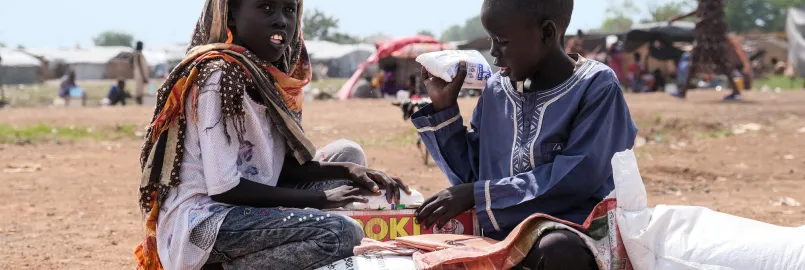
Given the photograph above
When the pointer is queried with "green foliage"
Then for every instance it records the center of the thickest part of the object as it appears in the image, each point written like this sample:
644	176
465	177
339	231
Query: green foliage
342	38
619	16
616	25
318	25
667	11
42	132
454	33
426	33
471	29
112	38
766	15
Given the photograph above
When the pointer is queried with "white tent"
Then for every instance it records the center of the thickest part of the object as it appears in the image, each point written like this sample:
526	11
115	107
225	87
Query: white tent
18	68
88	63
341	59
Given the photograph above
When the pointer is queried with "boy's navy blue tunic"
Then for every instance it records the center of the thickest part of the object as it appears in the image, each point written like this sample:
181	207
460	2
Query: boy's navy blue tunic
538	152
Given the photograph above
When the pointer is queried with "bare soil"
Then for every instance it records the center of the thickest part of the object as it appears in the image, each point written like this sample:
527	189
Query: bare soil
70	204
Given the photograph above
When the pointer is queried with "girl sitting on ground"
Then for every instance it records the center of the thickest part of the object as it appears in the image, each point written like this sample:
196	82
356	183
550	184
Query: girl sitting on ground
226	162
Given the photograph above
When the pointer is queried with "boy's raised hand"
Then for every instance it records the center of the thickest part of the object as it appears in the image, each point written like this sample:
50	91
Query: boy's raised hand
443	94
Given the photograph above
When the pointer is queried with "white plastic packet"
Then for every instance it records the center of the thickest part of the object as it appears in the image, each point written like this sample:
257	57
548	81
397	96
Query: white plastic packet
444	65
379	202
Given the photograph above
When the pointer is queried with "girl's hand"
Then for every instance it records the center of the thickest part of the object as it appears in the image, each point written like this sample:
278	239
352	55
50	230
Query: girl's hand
341	196
374	180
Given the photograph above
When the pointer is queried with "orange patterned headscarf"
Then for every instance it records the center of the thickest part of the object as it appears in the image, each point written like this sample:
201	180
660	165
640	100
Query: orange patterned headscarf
280	85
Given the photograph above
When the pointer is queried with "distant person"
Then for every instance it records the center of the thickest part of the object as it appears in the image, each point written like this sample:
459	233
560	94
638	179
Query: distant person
68	89
364	89
778	66
635	72
412	86
711	53
2	90
615	57
141	73
389	85
576	44
117	94
659	81
682	69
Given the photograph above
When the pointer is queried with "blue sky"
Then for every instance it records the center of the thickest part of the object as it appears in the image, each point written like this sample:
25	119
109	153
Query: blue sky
62	23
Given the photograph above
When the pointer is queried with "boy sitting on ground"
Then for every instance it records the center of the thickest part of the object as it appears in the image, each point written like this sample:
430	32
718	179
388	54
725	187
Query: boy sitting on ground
542	134
117	94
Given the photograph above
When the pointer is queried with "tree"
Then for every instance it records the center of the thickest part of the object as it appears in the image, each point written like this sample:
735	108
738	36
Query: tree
616	25
474	29
766	15
318	25
664	12
454	33
112	38
2	45
342	38
619	16
471	29
425	33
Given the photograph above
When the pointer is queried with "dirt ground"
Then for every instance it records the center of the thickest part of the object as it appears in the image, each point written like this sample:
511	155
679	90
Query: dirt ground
70	204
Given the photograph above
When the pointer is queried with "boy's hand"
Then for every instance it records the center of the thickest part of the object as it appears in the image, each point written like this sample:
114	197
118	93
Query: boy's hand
343	195
443	94
446	205
374	180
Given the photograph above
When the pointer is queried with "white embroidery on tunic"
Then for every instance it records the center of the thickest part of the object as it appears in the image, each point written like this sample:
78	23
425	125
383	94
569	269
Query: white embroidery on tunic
526	131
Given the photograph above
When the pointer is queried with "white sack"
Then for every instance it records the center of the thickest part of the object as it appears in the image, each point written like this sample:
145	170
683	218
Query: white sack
689	237
373	262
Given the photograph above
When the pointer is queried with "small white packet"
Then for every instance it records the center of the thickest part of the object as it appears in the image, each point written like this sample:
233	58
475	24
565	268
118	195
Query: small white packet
379	202
444	65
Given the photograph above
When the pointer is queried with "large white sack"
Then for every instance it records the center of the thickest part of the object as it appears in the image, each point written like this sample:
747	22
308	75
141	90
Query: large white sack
688	237
373	262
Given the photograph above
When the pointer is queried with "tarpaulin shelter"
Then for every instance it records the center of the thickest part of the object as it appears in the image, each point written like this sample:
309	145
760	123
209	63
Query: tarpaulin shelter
660	36
404	50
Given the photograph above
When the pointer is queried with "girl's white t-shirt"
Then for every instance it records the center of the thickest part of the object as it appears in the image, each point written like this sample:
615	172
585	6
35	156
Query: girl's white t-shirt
190	219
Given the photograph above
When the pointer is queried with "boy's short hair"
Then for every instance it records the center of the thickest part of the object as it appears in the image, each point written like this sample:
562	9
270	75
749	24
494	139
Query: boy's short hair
558	11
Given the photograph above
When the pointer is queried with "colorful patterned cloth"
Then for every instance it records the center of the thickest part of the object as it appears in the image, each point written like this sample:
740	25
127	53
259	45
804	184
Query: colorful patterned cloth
279	85
599	232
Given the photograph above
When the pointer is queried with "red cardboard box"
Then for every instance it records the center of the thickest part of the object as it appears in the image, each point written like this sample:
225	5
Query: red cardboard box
385	225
